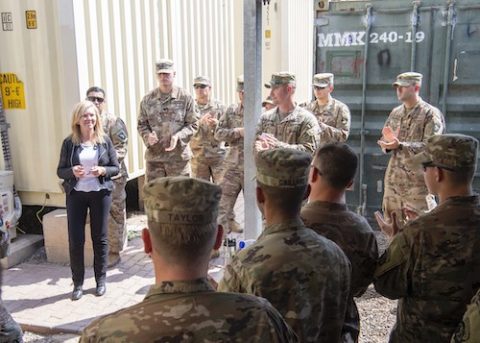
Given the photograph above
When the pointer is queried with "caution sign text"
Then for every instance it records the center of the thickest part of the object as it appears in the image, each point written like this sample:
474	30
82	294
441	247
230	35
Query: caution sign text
13	93
31	18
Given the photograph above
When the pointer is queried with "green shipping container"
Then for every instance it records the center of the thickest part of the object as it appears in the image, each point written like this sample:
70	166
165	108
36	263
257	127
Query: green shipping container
367	43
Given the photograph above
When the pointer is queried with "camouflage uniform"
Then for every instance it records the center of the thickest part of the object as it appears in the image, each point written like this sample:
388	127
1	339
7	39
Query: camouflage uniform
232	181
305	276
355	237
181	214
10	331
298	130
404	184
469	329
433	265
191	311
166	115
334	120
116	129
208	153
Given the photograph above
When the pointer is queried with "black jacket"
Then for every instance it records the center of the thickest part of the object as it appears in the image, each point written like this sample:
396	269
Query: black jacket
69	157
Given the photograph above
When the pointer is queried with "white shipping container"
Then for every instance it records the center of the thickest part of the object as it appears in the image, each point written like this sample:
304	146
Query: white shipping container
112	44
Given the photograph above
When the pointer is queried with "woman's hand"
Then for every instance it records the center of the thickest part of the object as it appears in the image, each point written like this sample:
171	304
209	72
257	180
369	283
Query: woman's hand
78	171
98	171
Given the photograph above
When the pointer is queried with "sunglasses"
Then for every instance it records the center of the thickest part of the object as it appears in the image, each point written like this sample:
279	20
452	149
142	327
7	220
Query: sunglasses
95	99
425	165
200	86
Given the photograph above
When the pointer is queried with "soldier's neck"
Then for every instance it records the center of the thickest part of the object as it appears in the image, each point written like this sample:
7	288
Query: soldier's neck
325	101
202	101
326	195
165	90
286	108
168	271
411	103
454	191
275	216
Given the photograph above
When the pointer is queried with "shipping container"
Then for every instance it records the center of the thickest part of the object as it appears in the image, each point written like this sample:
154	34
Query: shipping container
367	43
52	51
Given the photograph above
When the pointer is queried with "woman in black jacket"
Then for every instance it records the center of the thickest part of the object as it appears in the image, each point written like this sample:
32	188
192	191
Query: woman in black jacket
87	161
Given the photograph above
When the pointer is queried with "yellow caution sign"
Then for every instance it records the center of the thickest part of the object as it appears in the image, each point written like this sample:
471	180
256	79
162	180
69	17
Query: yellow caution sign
13	93
31	19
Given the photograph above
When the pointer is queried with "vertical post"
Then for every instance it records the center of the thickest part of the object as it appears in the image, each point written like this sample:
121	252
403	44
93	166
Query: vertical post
451	20
252	33
362	188
413	56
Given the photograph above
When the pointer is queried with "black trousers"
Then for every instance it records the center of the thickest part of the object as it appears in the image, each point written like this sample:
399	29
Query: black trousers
99	205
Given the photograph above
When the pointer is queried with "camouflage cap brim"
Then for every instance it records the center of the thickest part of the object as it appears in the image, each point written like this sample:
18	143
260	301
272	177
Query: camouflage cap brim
420	158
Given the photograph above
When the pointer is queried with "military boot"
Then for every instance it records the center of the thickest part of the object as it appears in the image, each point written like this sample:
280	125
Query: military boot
233	226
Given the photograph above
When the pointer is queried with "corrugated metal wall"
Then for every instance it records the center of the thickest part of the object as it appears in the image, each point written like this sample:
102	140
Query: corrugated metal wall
290	47
112	44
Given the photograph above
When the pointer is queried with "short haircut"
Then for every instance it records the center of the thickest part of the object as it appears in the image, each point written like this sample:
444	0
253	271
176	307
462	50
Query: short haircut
289	200
460	177
336	163
95	89
179	243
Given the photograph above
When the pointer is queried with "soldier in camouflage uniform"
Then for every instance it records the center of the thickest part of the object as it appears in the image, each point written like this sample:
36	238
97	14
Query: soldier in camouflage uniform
333	115
117	131
287	125
167	121
182	306
332	173
230	129
208	153
304	275
433	265
469	329
404	134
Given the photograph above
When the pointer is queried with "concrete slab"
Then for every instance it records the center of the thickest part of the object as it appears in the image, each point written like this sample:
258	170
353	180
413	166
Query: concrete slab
21	249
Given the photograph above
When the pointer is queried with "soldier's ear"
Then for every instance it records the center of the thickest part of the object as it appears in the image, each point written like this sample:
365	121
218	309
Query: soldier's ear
260	195
147	241
219	238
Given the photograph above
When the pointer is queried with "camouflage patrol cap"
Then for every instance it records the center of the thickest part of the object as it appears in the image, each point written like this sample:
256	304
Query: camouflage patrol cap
282	167
323	80
450	151
164	66
281	78
202	80
408	79
181	200
240	83
268	100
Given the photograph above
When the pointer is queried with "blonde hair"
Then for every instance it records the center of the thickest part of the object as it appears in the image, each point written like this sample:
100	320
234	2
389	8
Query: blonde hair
78	110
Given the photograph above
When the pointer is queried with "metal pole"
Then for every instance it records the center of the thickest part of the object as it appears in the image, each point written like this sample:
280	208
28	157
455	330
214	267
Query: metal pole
448	44
252	36
361	187
413	56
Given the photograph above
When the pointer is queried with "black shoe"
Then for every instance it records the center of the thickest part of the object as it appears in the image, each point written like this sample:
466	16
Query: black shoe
101	289
77	293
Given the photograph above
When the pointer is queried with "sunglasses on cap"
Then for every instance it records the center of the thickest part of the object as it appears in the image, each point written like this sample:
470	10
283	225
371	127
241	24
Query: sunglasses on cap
425	165
200	86
95	99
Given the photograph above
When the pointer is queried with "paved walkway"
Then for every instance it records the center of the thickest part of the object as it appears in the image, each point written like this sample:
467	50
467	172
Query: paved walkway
38	294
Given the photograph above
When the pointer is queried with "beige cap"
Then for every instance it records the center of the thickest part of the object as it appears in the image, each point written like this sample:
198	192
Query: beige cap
282	167
182	200
449	151
268	100
323	80
202	80
408	79
281	78
240	83
164	66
